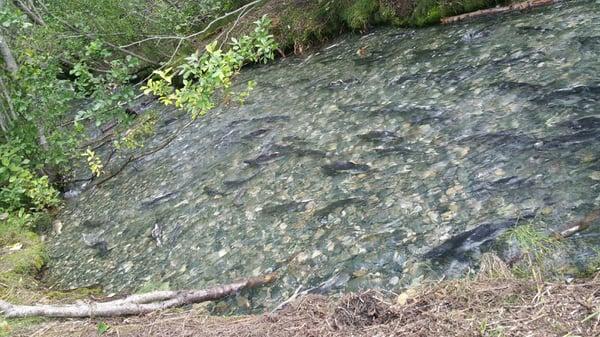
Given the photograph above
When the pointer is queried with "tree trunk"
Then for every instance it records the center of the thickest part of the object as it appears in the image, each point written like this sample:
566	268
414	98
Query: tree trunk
135	304
9	61
29	12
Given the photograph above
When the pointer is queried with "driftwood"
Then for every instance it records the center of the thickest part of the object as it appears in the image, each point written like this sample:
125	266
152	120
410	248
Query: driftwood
134	304
499	10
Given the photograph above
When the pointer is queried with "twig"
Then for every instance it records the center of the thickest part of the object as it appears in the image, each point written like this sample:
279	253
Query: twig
290	299
208	26
94	36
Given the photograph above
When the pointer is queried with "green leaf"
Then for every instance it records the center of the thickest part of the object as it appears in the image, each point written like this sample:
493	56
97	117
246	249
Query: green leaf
102	328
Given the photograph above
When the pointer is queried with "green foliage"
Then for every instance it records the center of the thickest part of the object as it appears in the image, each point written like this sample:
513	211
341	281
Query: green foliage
10	17
537	248
109	91
360	13
103	327
135	136
426	12
212	71
533	241
21	190
94	163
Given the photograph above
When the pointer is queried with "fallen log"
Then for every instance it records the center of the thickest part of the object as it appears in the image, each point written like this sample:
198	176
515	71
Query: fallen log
134	304
499	10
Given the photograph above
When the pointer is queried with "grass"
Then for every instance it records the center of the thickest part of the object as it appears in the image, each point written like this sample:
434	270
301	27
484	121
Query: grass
481	305
21	258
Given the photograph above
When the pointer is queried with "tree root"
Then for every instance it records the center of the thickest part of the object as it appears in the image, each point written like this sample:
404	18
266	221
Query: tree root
134	304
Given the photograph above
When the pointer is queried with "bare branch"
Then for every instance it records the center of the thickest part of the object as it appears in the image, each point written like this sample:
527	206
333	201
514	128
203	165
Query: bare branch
206	29
34	17
94	36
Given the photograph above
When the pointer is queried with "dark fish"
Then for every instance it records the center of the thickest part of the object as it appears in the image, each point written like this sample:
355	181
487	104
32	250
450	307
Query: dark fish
582	137
271	119
473	35
471	239
237	122
298	151
211	192
525	57
255	134
506	183
589	43
590	92
238	182
152	201
534	29
325	211
585	123
92	223
379	136
345	84
339	167
292	206
510	182
518	86
403	79
264	158
169	121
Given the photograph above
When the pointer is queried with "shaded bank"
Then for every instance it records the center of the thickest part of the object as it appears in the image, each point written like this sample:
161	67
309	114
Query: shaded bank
300	24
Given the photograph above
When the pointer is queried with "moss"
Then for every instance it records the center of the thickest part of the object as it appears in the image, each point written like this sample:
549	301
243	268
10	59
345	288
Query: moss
8	327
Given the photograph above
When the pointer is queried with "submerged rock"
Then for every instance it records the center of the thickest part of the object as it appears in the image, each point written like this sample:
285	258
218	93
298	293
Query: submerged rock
335	282
96	241
292	206
393	150
325	211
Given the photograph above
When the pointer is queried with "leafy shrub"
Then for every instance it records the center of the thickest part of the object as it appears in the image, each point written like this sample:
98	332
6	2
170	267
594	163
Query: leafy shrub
21	190
205	74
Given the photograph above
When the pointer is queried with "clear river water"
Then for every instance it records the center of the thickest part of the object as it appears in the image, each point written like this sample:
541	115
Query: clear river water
344	171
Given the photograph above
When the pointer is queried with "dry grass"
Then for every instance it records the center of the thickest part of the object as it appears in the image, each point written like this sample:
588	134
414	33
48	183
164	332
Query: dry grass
483	306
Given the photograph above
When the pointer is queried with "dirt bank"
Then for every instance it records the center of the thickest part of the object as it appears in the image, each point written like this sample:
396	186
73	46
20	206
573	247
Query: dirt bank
498	306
